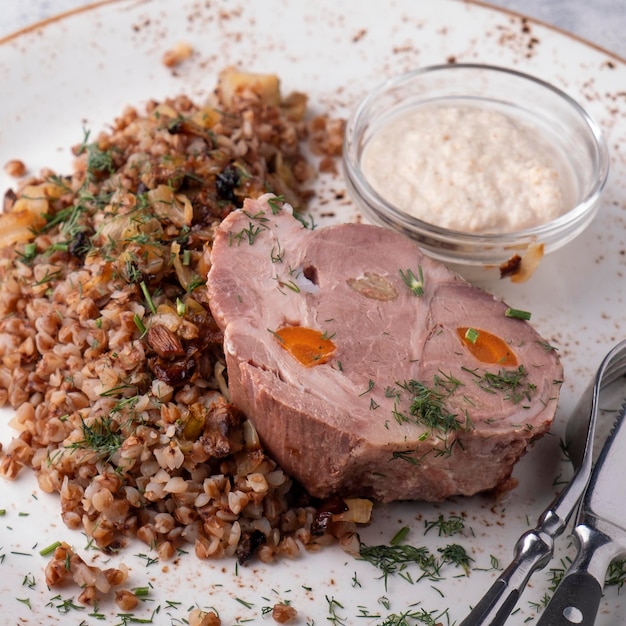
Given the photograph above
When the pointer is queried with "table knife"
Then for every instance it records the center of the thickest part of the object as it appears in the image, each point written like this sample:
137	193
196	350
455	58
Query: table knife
600	535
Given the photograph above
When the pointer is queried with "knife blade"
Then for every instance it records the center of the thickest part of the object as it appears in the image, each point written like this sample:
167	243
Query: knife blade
600	535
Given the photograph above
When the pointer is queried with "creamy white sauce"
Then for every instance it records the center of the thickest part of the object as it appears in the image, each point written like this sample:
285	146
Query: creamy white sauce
468	169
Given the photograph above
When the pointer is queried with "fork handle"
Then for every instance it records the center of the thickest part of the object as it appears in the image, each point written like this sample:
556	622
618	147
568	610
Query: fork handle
532	551
495	606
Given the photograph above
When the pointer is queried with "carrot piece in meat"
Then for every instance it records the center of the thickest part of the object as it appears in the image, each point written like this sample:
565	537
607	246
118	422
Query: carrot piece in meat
489	348
307	345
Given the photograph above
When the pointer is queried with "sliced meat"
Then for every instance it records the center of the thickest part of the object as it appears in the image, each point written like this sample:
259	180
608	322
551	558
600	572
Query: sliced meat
359	383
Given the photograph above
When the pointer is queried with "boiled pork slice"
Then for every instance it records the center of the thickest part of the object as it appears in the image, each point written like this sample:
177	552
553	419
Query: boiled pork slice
367	368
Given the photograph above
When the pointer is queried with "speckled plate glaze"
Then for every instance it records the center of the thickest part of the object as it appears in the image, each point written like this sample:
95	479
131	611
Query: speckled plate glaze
80	71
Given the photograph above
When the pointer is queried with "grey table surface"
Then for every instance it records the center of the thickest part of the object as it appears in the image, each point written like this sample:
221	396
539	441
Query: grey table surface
601	22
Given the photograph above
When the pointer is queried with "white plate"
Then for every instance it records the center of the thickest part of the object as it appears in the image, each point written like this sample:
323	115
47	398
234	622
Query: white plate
80	71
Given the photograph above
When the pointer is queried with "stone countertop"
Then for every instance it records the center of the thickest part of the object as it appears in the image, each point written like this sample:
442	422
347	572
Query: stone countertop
601	22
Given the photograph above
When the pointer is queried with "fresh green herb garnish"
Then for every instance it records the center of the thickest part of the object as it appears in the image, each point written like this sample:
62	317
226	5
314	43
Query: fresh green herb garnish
471	334
64	606
276	204
333	617
47	551
277	254
428	407
248	234
616	574
98	161
29	581
412	617
405	455
513	383
148	296
307	223
196	282
517	314
395	559
48	277
414	284
248	605
148	559
400	536
101	436
370	386
29	253
445	526
457	555
290	284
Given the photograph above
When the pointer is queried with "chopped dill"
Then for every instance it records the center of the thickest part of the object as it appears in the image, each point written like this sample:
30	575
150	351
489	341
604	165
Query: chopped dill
446	527
456	555
411	617
27	256
101	436
405	455
306	222
616	574
370	386
278	253
395	559
248	234
428	407
276	204
290	284
197	281
513	383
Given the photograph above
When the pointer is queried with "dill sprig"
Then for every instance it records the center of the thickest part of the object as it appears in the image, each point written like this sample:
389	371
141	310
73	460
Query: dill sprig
428	407
395	559
456	555
616	574
412	617
446	527
64	605
99	161
101	436
276	204
248	234
513	383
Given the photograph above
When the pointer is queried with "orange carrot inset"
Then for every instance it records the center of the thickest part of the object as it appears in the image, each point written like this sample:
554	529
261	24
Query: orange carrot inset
486	347
307	345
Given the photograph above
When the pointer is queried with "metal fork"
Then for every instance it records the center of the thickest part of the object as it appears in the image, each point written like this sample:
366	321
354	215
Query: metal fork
534	549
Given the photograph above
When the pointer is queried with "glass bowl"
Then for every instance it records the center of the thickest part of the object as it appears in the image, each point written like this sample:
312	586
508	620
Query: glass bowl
573	139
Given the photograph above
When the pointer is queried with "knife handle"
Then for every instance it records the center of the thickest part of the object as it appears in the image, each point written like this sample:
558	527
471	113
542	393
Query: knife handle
575	601
577	598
